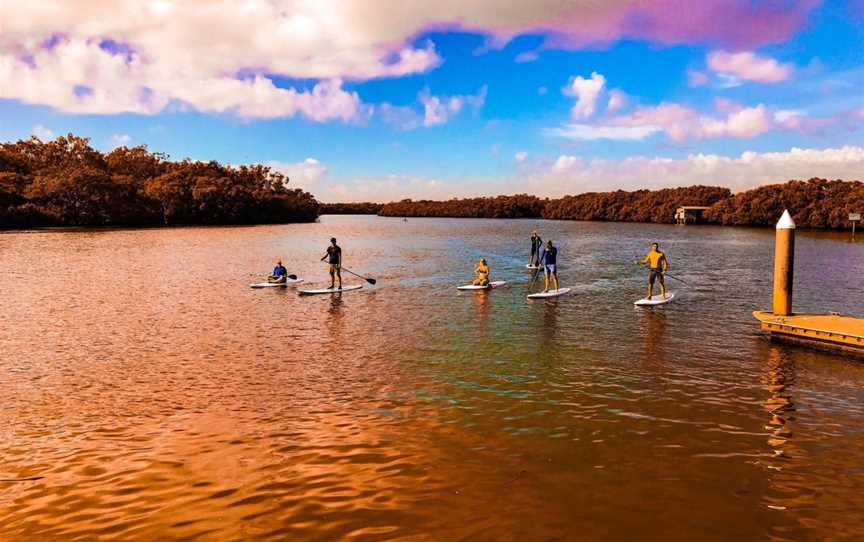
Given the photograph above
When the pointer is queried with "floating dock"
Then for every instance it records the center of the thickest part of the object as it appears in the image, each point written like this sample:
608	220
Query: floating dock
825	331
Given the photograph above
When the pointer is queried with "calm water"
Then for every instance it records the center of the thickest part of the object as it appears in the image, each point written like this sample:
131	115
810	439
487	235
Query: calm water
155	396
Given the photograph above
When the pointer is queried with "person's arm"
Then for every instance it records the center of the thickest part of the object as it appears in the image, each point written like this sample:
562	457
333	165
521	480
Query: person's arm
644	260
665	263
325	256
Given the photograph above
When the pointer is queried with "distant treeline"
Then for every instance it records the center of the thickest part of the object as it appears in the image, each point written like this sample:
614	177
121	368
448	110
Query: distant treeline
518	206
639	206
365	208
66	182
817	203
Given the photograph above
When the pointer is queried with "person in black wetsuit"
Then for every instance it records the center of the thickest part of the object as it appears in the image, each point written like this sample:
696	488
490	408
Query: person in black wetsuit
536	245
334	258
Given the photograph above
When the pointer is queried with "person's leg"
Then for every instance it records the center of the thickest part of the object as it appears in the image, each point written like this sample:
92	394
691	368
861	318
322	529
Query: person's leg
546	280
332	276
651	275
339	276
662	285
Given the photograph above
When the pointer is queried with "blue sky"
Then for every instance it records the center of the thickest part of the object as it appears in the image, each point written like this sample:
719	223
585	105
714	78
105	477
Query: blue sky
356	102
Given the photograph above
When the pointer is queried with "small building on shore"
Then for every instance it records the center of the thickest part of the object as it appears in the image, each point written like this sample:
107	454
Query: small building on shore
690	214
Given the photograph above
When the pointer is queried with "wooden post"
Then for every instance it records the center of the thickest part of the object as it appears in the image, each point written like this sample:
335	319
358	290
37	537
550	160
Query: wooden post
784	264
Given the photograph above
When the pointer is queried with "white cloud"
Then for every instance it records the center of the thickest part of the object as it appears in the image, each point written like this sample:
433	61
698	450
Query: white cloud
42	133
527	56
617	101
119	140
117	83
520	156
308	174
748	66
590	132
437	110
681	123
572	174
110	56
696	78
586	92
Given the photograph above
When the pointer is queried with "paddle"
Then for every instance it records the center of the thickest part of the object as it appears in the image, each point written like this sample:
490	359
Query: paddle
667	275
676	278
370	281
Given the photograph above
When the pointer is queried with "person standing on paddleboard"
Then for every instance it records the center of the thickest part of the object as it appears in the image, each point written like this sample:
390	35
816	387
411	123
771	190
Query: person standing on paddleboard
549	260
658	264
536	247
280	274
334	258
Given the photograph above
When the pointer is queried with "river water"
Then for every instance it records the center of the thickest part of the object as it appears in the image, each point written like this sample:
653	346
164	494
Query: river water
151	395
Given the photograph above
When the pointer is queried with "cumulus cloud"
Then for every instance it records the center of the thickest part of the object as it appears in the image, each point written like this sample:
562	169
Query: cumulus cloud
591	132
586	92
436	110
696	78
83	76
570	174
119	140
682	123
224	57
748	66
617	101
307	174
520	156
42	133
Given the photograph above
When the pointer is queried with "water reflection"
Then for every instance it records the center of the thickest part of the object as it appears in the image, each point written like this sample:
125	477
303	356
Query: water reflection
778	376
410	411
653	329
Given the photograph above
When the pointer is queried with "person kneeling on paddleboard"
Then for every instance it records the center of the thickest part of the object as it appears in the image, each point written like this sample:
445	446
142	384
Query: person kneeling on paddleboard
334	258
536	247
279	275
549	260
482	271
658	264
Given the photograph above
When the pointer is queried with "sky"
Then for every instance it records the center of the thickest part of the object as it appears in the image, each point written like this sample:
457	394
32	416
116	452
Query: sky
378	100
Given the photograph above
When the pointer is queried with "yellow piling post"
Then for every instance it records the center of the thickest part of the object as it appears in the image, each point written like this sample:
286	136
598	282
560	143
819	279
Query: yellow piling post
784	263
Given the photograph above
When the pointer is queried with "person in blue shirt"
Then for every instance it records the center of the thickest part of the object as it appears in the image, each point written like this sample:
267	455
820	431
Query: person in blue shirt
280	274
549	261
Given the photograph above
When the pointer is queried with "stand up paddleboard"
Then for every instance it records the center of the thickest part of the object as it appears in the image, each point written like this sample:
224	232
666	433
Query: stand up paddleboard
529	266
550	293
490	286
288	282
655	300
330	290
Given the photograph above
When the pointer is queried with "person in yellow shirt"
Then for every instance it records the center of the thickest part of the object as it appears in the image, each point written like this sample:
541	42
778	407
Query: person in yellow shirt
482	271
658	264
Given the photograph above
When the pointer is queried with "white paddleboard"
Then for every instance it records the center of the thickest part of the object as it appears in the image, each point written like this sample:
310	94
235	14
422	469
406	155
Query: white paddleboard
655	300
550	293
330	290
288	282
529	266
491	285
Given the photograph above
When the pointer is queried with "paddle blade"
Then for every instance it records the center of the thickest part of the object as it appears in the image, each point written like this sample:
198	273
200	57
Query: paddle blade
371	281
292	277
